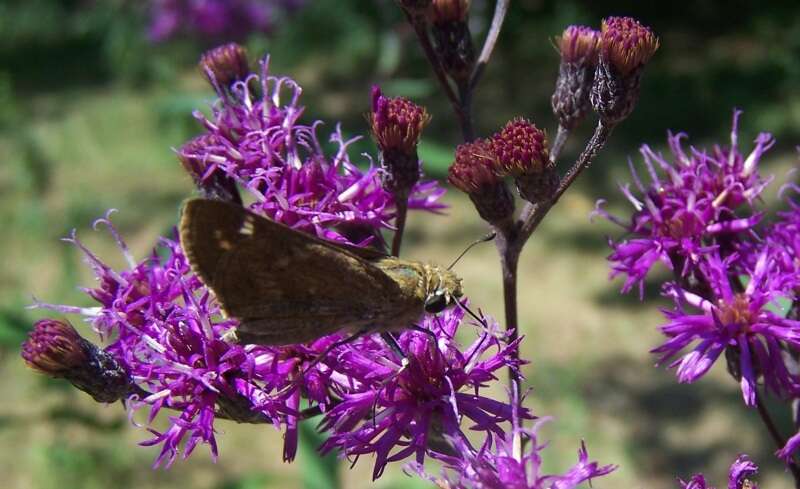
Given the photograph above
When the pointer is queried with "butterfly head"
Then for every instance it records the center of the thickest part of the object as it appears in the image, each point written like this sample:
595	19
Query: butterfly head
443	289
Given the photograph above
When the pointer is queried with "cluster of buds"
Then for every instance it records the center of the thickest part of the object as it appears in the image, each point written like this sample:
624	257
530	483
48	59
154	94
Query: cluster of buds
520	151
452	38
396	124
55	349
601	70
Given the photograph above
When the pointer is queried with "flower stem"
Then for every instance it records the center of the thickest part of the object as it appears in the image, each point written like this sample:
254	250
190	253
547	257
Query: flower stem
500	11
558	143
508	247
766	418
400	223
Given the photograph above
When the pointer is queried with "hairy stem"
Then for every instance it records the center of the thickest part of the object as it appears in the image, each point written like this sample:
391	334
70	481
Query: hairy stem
400	223
558	143
533	214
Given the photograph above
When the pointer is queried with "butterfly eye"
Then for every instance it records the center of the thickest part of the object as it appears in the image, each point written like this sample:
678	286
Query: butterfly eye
435	303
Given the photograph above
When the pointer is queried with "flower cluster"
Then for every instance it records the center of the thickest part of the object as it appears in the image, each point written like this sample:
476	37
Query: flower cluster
217	19
739	476
519	150
255	138
169	343
732	274
496	464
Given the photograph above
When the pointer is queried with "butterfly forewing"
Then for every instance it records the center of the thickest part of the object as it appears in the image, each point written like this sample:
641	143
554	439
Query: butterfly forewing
283	285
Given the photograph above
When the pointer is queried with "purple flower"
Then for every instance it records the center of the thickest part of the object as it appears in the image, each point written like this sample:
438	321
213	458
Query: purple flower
215	19
254	136
738	476
395	411
735	317
694	204
498	467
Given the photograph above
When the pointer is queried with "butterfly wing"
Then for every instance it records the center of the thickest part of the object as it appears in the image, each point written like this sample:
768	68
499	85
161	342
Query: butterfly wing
283	285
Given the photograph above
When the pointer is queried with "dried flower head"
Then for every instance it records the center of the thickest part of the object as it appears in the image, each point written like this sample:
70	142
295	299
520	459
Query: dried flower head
474	173
225	64
54	348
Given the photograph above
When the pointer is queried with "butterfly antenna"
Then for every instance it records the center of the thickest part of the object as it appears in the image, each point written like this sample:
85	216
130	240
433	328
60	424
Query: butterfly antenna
484	239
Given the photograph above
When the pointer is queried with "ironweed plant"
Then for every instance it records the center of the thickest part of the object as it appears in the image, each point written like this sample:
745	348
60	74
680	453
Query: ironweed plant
165	342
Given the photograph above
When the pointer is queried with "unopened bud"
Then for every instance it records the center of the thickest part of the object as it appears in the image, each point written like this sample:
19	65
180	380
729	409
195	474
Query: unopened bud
452	38
474	173
521	151
225	65
199	160
578	46
625	47
396	125
55	348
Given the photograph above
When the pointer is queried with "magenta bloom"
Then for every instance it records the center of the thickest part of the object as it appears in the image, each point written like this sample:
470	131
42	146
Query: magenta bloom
497	467
693	204
255	136
738	476
732	319
215	19
395	412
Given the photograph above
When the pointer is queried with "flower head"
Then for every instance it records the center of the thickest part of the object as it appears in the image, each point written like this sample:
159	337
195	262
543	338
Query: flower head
626	44
498	467
255	138
743	321
444	11
396	411
473	172
579	44
396	122
54	348
738	477
225	64
693	204
520	148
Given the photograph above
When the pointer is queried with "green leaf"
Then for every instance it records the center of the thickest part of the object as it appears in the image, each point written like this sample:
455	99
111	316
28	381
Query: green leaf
318	472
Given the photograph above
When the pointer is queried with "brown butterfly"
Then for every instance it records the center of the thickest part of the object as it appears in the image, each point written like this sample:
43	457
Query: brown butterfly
285	286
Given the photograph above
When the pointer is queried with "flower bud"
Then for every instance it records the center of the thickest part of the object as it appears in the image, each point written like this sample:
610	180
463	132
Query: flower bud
198	159
452	37
396	125
417	7
625	47
521	151
578	46
474	173
225	65
55	349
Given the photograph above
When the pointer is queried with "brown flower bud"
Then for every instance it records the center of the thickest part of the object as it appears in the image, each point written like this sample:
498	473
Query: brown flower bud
197	158
521	151
578	46
397	125
55	349
225	65
473	172
452	37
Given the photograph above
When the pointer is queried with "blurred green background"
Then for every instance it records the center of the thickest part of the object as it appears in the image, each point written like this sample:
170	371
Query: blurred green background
89	110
